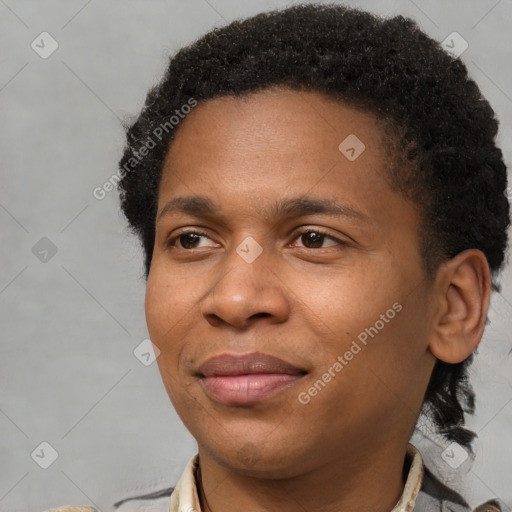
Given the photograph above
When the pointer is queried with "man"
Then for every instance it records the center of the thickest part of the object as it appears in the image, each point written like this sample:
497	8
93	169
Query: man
321	204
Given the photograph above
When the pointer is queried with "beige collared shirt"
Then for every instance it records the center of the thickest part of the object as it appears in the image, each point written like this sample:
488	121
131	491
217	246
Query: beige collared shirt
185	497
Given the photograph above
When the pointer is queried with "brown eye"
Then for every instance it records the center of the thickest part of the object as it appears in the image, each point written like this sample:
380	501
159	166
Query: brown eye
188	239
312	237
315	238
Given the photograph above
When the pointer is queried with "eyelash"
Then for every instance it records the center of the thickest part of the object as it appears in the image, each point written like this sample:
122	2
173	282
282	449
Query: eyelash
297	235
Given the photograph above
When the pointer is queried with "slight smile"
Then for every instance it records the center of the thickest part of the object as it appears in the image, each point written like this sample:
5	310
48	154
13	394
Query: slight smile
246	379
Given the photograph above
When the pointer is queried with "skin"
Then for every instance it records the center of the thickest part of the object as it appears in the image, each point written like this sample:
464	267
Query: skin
304	300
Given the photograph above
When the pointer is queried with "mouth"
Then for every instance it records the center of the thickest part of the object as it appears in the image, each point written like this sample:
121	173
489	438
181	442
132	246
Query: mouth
247	379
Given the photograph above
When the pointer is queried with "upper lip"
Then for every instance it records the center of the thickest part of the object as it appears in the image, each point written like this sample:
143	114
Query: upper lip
255	362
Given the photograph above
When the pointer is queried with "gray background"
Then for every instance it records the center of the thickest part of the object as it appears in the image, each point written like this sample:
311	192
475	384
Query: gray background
69	325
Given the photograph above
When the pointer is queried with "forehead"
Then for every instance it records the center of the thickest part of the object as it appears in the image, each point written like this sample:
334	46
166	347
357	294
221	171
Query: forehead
264	113
300	135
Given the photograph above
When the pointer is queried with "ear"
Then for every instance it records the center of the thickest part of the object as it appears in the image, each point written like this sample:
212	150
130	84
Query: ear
463	290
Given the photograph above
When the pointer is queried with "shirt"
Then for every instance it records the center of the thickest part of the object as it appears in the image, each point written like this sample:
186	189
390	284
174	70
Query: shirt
185	496
423	492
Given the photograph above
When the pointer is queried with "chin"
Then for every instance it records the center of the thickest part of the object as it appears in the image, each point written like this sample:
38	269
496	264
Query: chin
273	462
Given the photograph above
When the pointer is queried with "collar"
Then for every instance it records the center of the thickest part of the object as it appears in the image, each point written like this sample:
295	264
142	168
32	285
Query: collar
185	497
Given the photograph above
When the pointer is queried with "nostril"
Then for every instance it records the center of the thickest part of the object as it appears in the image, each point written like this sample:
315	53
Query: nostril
260	315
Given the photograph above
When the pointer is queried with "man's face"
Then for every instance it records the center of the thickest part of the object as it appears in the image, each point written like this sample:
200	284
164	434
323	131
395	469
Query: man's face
340	297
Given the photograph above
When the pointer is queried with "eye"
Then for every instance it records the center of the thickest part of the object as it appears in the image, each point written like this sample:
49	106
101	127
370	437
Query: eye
187	239
311	238
314	238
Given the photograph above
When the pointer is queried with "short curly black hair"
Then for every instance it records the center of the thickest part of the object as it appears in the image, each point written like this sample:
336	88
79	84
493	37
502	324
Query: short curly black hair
442	131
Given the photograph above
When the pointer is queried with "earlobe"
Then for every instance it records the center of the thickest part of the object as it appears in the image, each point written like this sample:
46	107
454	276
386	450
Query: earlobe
463	288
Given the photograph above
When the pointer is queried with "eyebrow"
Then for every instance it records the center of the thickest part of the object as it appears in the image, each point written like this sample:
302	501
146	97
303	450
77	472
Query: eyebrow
202	206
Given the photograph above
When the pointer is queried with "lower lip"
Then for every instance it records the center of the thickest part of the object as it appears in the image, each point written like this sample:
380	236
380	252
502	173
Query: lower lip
247	389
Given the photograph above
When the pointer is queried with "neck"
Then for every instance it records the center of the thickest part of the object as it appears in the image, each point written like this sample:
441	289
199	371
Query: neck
372	482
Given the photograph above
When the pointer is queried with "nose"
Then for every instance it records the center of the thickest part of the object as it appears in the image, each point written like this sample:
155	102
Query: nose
246	292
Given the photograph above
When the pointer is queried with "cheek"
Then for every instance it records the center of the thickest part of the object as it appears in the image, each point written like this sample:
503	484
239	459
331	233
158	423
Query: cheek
165	305
372	322
154	309
346	301
161	320
163	315
373	381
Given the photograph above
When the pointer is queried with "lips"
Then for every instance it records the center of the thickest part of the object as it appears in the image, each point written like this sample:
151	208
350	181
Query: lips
254	363
246	379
